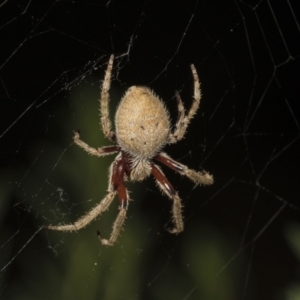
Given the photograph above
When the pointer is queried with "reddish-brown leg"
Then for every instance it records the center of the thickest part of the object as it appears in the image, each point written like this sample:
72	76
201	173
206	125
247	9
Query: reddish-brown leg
166	187
169	162
117	184
202	178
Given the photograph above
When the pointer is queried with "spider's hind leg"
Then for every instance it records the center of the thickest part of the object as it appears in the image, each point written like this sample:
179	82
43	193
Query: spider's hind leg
185	118
104	102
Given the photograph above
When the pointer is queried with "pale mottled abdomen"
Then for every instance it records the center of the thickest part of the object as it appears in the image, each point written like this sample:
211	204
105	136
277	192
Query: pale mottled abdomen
142	122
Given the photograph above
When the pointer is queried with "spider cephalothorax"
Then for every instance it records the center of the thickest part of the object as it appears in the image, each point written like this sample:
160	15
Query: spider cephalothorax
142	130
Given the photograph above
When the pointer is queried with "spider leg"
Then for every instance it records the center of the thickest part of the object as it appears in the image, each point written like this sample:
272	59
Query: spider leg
116	185
181	112
104	102
168	189
184	119
93	151
202	178
88	217
117	181
117	227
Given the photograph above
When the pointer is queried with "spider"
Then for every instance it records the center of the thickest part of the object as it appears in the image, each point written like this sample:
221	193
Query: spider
143	128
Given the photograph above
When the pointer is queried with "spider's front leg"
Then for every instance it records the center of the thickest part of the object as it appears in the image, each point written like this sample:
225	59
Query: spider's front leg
117	184
168	189
88	217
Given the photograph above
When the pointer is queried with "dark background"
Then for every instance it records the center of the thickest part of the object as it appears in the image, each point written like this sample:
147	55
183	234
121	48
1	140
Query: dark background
242	235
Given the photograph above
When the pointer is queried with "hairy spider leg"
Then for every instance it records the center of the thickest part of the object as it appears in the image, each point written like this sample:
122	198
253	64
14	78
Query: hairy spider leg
202	178
104	102
168	189
119	170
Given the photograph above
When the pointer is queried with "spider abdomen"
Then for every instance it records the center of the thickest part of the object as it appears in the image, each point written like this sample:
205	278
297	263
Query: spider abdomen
142	122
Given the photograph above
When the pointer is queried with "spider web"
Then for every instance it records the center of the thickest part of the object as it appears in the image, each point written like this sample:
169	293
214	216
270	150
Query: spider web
241	237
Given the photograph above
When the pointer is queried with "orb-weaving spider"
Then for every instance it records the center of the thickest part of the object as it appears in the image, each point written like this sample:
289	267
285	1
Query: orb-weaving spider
142	129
